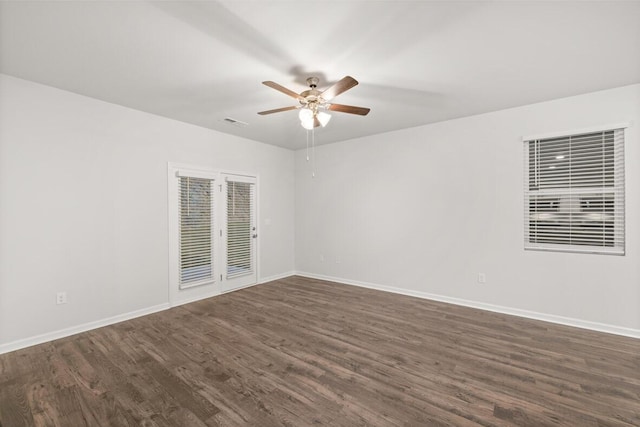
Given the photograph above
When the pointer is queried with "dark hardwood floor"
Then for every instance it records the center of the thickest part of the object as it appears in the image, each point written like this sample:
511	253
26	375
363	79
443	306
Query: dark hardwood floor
301	352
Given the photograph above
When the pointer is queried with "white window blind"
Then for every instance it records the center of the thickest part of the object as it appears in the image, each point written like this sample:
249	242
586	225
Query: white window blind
196	231
574	192
240	228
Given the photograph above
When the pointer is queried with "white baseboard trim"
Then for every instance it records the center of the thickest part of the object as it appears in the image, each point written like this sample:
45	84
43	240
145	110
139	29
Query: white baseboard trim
50	336
262	280
187	300
276	277
567	321
239	288
62	333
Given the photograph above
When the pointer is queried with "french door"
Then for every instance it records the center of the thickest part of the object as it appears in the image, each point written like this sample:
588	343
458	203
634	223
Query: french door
213	233
238	232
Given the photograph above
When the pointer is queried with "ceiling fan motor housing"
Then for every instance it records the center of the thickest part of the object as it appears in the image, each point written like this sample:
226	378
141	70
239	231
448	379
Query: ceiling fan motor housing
311	96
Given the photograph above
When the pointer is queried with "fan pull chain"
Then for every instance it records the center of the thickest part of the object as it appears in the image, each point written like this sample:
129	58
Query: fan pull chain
313	153
307	145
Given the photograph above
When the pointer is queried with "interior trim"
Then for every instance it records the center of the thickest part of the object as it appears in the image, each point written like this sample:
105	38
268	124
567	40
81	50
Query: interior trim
561	320
62	333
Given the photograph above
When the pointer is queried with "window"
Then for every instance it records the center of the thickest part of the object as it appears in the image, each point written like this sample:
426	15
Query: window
240	228
196	230
574	192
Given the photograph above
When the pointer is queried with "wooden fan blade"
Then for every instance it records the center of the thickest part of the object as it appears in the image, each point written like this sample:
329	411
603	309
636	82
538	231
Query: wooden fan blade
283	89
362	111
278	110
342	86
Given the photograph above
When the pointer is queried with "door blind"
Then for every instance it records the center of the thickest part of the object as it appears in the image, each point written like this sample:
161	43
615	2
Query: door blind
574	192
196	228
240	228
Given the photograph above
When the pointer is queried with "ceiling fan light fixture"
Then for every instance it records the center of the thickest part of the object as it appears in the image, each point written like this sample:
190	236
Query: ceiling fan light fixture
323	118
307	123
305	114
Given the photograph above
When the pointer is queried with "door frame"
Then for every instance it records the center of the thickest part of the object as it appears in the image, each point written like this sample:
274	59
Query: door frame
176	295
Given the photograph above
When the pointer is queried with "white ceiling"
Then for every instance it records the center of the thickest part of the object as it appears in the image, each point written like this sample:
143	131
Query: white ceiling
417	62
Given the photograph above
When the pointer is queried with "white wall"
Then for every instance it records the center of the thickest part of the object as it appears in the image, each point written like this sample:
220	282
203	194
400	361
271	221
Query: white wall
83	207
422	211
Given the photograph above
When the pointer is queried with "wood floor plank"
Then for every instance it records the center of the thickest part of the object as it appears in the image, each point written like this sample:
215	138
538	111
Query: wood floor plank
303	352
14	408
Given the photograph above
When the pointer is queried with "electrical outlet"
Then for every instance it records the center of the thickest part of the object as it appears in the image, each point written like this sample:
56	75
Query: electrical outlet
482	278
321	258
61	298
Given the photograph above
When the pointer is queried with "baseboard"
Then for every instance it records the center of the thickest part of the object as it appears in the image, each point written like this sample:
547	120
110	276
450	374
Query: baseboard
62	333
567	321
187	300
276	277
262	280
50	336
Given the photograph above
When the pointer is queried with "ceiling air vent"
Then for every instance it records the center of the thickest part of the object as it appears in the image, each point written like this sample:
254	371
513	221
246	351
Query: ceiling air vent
235	122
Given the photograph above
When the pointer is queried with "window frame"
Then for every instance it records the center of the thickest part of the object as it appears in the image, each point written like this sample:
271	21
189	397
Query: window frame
618	192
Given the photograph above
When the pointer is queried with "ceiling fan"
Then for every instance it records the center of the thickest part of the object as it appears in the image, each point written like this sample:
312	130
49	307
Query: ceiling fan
312	101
